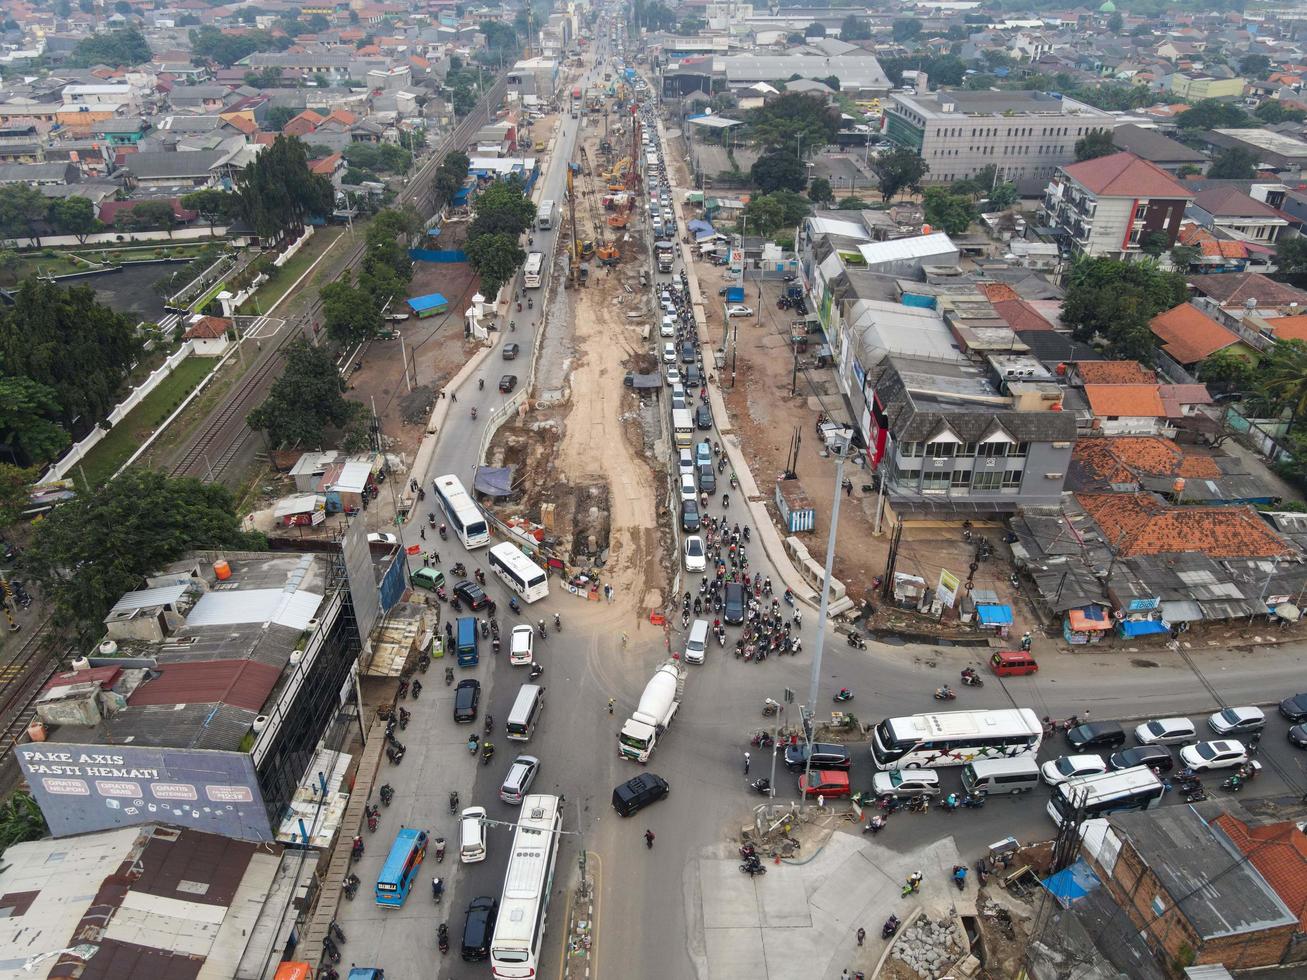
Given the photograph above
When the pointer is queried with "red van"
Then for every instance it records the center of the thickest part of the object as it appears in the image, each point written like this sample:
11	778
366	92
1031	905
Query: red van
1013	663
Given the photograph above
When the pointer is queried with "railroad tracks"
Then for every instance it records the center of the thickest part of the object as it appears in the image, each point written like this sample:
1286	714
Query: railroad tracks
22	676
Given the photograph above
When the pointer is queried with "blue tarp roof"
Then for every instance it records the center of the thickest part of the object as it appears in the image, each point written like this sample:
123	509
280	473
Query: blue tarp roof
1143	627
1072	884
431	301
991	615
460	195
699	225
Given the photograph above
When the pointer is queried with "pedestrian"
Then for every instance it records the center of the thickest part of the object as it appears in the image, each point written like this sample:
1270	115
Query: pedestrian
848	492
649	839
1084	719
426	562
862	934
821	800
611	702
746	763
422	532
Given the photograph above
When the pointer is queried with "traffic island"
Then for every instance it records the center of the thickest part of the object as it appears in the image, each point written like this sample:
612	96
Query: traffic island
582	913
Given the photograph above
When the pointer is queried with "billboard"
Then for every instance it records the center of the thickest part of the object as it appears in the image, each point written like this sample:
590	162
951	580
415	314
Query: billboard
81	788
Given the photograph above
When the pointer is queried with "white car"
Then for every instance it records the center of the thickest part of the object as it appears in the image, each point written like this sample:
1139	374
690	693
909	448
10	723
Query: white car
669	353
1214	755
694	560
1166	731
738	311
1237	721
472	835
688	490
521	646
906	782
382	538
1066	767
685	462
673	376
667	328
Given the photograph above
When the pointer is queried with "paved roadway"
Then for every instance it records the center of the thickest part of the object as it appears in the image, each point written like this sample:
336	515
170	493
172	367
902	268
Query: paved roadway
649	918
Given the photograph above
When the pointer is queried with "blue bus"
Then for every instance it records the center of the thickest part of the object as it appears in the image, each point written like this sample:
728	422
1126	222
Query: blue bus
468	655
401	867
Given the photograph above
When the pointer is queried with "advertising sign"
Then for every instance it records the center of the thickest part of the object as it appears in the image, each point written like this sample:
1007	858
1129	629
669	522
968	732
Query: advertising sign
737	261
947	590
81	788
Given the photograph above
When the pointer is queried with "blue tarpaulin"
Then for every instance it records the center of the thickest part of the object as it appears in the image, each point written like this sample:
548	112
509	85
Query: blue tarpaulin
1143	627
428	304
437	255
1072	884
700	228
991	615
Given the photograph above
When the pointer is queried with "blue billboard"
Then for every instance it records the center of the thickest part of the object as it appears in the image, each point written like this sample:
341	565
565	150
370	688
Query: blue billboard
81	788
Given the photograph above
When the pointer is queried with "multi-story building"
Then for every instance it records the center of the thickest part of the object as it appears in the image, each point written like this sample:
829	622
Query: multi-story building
1023	134
1110	206
1195	88
954	441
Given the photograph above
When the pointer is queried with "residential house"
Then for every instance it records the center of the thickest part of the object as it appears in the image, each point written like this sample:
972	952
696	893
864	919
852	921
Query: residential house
1161	151
1112	205
200	98
1279	852
1246	302
1187	889
1275	150
1187	335
1214	254
39	173
1112	464
1231	213
165	169
209	335
1119	409
1141	523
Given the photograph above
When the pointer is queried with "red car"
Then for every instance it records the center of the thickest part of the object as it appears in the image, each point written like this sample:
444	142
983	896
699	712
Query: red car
830	783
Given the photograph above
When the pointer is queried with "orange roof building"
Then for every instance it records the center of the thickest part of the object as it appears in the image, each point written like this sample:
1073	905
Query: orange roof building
1188	334
1279	852
1125	401
1141	524
1113	373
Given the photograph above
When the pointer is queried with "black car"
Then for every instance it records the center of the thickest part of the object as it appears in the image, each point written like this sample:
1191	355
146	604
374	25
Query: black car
707	478
825	755
471	594
1153	756
688	355
507	383
1298	736
703	418
734	611
689	515
478	928
638	792
691	376
1096	736
466	698
628	379
1294	709
511	351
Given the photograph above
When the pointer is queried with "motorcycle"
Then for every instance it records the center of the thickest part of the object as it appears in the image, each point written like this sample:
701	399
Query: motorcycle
856	641
395	755
490	724
449	676
945	693
458	569
912	884
387	794
1234	784
356	851
890	927
770	708
440	849
753	868
761	740
473	743
351	885
336	932
442	938
444	532
512	604
971	679
441	594
972	802
437	890
842	695
875	825
761	786
950	803
487	753
453	802
960	876
536	670
474	413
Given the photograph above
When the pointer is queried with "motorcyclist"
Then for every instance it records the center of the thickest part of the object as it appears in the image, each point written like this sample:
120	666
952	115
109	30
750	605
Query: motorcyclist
437	889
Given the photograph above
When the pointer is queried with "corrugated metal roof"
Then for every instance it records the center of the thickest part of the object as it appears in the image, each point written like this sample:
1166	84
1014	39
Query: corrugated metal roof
254	606
146	598
241	683
896	249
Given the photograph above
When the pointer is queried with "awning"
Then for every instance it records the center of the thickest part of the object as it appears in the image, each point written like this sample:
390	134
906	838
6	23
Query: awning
994	615
1287	610
1089	619
1143	627
494	481
1181	611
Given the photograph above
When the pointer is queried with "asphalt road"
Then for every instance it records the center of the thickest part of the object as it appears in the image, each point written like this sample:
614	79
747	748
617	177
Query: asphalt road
647	925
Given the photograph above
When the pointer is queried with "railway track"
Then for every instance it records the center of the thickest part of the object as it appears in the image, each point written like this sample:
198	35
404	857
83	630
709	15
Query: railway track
21	678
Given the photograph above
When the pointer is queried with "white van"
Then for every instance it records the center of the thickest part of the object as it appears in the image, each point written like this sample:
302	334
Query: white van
526	712
472	835
697	644
992	776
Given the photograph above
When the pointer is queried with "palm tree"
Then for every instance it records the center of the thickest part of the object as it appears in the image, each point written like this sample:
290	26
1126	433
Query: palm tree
1285	377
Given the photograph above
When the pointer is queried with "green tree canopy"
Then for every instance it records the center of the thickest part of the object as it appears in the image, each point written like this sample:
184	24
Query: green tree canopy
794	121
1095	143
212	205
952	213
854	28
1213	114
501	209
1235	163
780	210
65	340
307	400
1274	111
22	208
274	121
73	216
146	216
91	550
1291	255
209	43
778	170
905	29
819	191
349	313
15	491
1284	377
1254	66
1230	370
278	192
496	257
1115	301
898	170
28	420
450	176
814	30
121	49
378	157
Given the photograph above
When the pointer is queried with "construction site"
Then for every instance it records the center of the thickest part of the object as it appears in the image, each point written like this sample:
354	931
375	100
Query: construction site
581	447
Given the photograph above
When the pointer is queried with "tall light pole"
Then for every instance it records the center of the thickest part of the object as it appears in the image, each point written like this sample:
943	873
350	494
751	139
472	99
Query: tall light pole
839	447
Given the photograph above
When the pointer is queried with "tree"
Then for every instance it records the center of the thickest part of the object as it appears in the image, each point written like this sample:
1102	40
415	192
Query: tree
15	492
793	119
1115	301
147	216
501	209
767	214
73	216
852	204
349	313
1274	111
1284	377
378	157
778	170
62	8
92	549
63	339
898	170
28	411
854	28
277	191
1183	256
121	49
1095	143
21	208
1212	114
450	176
1291	255
1003	196
1254	66
209	43
21	820
1115	22
1230	370
951	213
820	192
212	205
905	29
496	258
306	401
692	26
274	121
1189	170
814	30
1235	163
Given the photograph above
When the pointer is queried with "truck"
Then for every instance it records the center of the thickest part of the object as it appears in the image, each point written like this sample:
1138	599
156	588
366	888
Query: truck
545	216
468	655
665	253
658	704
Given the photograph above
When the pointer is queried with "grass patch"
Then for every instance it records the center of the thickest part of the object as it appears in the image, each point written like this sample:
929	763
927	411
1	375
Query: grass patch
281	279
126	437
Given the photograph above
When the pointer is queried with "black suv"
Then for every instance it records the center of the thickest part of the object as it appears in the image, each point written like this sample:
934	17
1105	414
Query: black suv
1096	736
734	611
825	755
703	417
466	698
1294	709
471	594
478	928
1153	756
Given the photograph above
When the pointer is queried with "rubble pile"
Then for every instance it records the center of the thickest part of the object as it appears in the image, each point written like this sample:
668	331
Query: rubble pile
929	947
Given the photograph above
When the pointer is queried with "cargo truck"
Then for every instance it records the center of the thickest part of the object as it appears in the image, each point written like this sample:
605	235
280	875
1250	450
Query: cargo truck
664	252
658	704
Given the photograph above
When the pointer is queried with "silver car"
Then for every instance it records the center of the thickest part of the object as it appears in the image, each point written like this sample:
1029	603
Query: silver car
521	774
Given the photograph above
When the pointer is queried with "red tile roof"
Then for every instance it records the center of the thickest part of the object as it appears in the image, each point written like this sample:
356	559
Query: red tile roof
1126	175
1289	327
998	292
1279	852
1231	202
1114	373
1209	245
1124	459
1141	524
1125	401
240	683
327	165
1188	334
1236	288
1020	315
208	328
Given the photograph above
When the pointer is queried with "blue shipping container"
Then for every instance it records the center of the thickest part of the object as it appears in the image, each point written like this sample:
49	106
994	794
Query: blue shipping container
735	294
467	641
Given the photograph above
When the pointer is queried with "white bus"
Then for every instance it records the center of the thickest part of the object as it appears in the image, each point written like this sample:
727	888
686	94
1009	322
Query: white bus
545	216
1137	788
532	272
464	515
519	572
954	738
520	925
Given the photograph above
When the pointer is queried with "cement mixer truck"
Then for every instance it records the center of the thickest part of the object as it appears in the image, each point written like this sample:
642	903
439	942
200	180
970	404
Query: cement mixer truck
658	703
